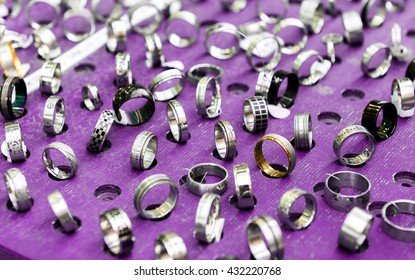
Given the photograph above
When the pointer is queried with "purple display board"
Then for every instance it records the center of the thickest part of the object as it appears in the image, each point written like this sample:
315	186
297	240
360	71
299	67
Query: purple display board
31	235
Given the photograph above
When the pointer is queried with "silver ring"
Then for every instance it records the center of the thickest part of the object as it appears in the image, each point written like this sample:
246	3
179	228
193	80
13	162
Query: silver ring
15	9
265	238
50	78
291	47
199	71
234	6
354	160
332	39
60	172
170	246
177	120
198	172
303	131
154	51
312	15
117	35
345	202
355	229
276	55
19	194
117	231
225	140
214	109
46	44
353	28
34	24
13	98
124	76
79	12
14	147
163	209
255	111
73	4
62	213
90	96
113	14
253	27
403	97
54	115
287	201
392	208
399	51
100	132
176	40
318	69
396	6
144	15
215	51
164	77
10	62
208	223
263	83
268	18
380	70
144	150
243	184
378	18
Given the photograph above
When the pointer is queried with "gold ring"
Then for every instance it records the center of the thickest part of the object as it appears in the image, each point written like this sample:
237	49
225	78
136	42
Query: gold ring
9	60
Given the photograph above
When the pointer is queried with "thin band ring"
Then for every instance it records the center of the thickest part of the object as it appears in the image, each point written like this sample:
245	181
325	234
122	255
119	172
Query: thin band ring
275	59
271	19
392	208
296	47
163	77
34	24
379	18
93	103
199	71
114	13
134	20
384	66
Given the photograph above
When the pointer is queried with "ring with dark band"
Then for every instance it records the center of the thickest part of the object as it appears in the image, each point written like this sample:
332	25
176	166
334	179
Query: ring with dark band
288	97
410	70
389	120
13	108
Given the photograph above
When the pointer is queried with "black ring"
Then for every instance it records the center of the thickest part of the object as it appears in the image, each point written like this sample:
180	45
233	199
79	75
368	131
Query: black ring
288	98
13	110
389	120
410	70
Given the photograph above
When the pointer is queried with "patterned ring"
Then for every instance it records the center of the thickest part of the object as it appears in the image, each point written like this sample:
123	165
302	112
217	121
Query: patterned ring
101	130
255	114
60	172
144	150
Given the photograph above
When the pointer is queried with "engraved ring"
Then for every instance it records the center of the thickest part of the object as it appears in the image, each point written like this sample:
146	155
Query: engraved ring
214	109
13	98
166	77
60	172
208	223
144	150
54	115
170	246
50	78
14	147
197	173
177	120
225	140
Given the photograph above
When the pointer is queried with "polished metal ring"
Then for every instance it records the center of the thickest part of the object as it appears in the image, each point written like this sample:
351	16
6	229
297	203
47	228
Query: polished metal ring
312	15
14	147
197	174
164	208
263	83
345	202
330	40
77	36
243	184
379	16
62	213
255	111
117	35
234	6
100	132
217	29
154	50
117	231
135	117
346	133
73	4
286	99
208	223
177	120
54	115
124	75
353	28
165	77
115	12
214	109
148	10
271	18
33	23
287	201
393	208
19	194
403	97
9	61
144	150
265	238
50	78
253	49
266	166
90	96
170	246
355	229
253	27
396	6
383	68
61	172
225	140
303	131
175	39
13	98
199	71
46	43
291	47
318	69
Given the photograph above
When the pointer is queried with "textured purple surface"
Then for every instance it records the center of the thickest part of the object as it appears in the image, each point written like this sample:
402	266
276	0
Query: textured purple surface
31	235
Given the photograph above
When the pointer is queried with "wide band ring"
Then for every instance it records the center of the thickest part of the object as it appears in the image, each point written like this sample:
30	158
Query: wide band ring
90	96
234	6
46	44
124	75
296	47
14	147
50	78
389	119
263	83
13	98
354	160
60	172
117	35
265	166
303	131
252	49
175	39
147	6
62	213
114	13
355	229
177	120
243	184
135	117
117	231
33	23
255	111
392	208
220	53
19	194
144	150
9	61
100	132
271	18
265	238
214	109
287	200
79	12
403	97
197	173
199	71
353	28
164	77
208	223
286	100
154	50
380	70
378	18
54	115
225	140
315	75
345	202
164	208
312	15
170	246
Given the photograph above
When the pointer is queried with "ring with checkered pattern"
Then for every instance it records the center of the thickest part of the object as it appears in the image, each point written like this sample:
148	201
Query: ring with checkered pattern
13	108
144	150
255	114
61	172
101	130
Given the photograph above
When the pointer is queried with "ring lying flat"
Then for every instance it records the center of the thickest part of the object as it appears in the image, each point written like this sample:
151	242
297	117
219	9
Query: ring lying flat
369	53
19	194
389	119
243	184
93	103
403	97
144	150
214	109
54	115
62	213
170	246
177	121
13	98
50	78
14	147
164	77
225	140
198	172
392	208
60	172
208	223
